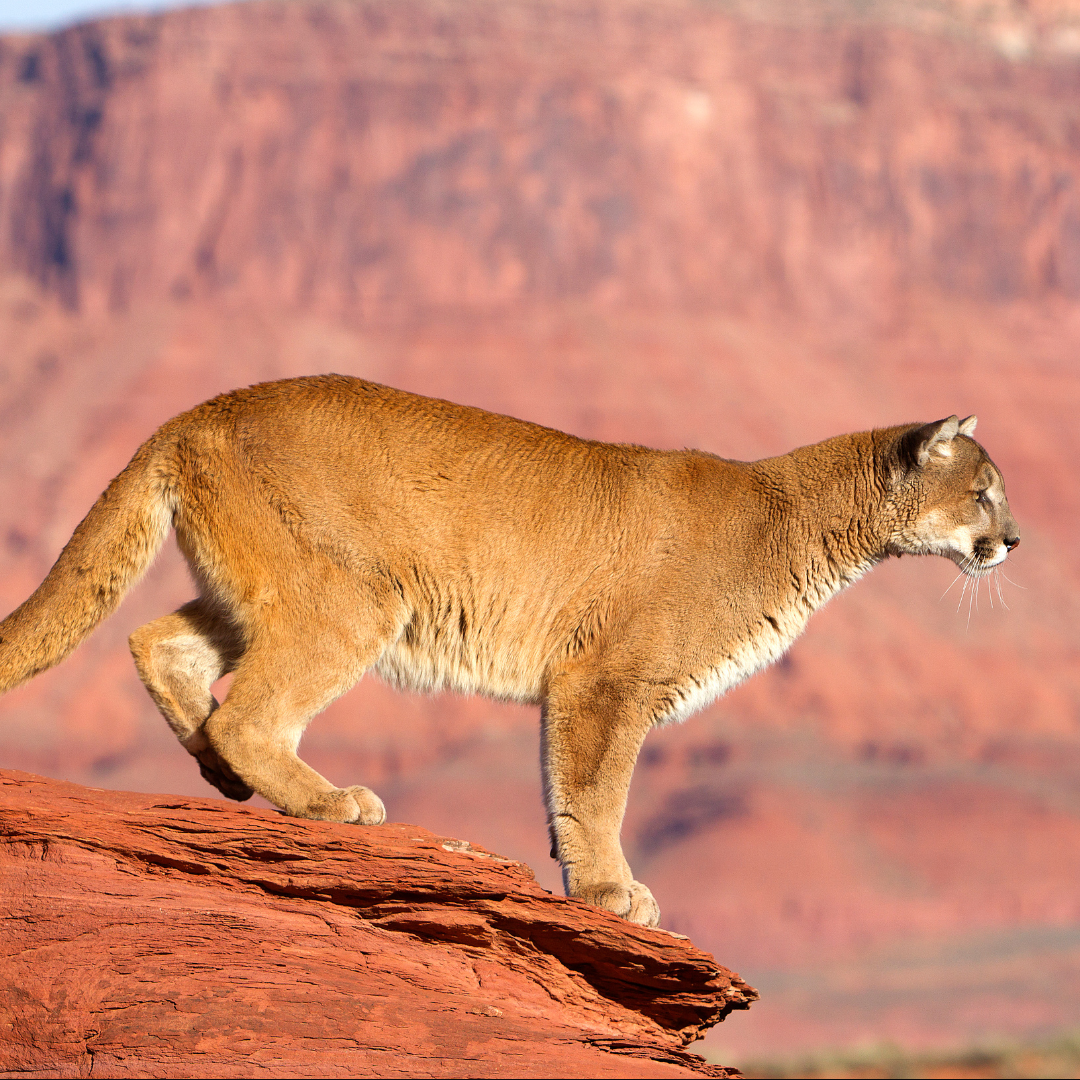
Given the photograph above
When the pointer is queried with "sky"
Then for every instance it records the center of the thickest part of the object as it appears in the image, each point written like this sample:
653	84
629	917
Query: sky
26	15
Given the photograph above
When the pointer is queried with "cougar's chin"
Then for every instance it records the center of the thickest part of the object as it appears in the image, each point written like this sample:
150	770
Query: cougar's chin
979	561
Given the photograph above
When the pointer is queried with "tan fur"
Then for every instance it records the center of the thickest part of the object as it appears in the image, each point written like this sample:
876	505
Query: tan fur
334	526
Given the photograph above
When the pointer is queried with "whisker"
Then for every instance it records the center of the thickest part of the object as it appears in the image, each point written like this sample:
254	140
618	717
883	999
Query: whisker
997	582
1011	582
974	593
951	584
960	603
965	567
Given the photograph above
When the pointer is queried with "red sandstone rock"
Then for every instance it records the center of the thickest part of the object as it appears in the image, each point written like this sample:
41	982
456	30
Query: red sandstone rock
154	936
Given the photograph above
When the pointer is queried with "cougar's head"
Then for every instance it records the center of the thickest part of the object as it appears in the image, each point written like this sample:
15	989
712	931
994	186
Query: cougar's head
950	498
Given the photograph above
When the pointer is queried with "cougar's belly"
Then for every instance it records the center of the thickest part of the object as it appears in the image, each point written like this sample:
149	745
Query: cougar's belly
451	647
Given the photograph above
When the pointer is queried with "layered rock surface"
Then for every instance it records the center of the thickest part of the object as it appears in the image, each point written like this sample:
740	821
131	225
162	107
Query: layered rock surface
155	936
382	157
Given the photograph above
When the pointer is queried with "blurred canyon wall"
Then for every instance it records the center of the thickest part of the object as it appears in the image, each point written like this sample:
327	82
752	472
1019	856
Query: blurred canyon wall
739	226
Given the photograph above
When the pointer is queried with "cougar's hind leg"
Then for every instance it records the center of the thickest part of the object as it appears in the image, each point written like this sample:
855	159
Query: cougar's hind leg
278	687
593	728
179	657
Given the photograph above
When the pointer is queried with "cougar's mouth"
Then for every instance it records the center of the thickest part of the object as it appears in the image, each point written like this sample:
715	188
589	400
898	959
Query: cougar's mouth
984	561
986	554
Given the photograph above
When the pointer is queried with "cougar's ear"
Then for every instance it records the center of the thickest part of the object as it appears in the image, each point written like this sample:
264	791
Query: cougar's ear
967	426
917	445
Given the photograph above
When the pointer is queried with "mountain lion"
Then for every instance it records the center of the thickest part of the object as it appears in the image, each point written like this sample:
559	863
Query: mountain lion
333	525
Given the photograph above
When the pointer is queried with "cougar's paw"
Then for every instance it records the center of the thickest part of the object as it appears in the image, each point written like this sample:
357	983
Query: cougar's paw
215	770
354	805
644	909
633	902
369	807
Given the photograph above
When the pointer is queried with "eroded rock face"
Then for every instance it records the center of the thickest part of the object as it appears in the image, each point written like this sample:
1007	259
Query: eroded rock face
379	157
148	935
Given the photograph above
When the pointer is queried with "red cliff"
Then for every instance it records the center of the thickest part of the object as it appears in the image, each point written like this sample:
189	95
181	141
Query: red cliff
146	935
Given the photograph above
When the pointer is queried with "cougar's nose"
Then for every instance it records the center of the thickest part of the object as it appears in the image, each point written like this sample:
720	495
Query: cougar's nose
1012	542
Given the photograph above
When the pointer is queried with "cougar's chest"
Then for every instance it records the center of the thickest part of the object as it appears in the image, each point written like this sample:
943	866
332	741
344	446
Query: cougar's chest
736	656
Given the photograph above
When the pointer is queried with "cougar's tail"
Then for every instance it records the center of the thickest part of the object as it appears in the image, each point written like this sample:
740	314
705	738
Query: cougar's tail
108	552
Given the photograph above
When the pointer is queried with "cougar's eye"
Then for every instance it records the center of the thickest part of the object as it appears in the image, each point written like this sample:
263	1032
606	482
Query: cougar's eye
982	498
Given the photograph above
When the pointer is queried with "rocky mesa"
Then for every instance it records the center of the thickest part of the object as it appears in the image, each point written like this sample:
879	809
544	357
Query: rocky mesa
145	935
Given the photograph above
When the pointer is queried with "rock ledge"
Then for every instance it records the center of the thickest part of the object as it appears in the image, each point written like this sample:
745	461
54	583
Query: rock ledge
157	936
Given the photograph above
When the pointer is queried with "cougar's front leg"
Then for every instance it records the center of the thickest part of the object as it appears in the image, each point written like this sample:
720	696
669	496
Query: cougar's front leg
179	657
591	734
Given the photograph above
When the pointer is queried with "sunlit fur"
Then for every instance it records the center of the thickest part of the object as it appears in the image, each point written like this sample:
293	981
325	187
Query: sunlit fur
334	526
